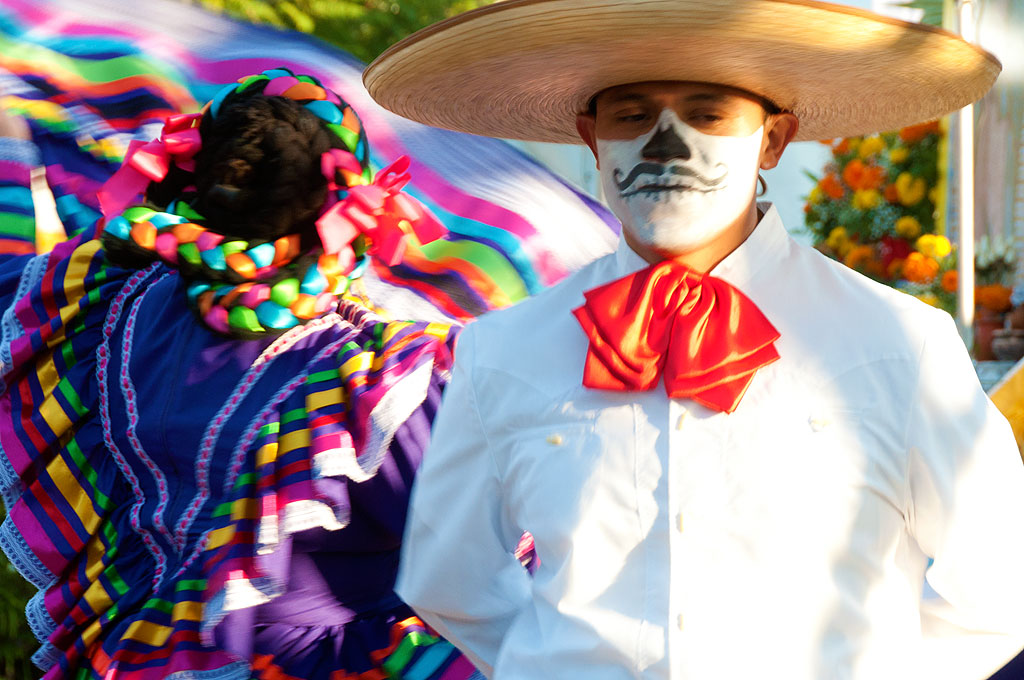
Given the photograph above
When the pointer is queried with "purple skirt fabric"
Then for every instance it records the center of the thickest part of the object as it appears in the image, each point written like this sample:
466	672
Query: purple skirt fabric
189	504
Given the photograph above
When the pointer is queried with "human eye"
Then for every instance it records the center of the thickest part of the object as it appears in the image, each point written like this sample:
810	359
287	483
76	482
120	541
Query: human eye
706	116
631	116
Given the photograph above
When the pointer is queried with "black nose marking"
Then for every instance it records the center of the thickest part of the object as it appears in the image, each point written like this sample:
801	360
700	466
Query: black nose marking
665	146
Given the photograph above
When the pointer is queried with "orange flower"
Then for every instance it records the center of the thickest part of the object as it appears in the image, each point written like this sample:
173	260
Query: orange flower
950	281
858	175
857	256
842	147
831	186
916	133
862	258
895	268
918	268
853	173
995	297
876	176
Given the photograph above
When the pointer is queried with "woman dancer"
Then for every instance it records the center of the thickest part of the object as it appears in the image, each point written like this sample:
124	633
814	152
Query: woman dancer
206	448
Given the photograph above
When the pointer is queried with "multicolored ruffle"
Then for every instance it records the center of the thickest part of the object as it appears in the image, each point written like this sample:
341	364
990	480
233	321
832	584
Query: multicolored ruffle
405	648
135	570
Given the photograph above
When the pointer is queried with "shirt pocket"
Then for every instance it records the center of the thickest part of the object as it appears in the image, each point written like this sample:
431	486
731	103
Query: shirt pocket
572	484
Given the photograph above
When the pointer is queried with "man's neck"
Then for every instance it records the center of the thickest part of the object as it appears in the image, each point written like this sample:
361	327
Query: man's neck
704	258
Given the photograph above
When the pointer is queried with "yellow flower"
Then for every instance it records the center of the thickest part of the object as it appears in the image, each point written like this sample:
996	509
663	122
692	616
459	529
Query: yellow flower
816	196
910	189
934	195
929	299
838	232
866	199
908	227
899	154
870	146
934	246
838	241
942	247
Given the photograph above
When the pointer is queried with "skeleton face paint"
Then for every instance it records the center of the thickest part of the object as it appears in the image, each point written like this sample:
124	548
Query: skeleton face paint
676	188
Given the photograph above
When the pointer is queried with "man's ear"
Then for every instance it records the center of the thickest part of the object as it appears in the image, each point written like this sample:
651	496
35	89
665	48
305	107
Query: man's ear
586	126
780	129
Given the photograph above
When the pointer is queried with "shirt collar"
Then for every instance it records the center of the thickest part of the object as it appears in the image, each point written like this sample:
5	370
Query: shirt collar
766	245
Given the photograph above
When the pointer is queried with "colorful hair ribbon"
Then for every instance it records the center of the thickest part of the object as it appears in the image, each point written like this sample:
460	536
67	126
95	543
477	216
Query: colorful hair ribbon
148	162
379	211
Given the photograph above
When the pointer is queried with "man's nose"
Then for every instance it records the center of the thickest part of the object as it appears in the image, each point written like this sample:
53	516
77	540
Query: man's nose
666	145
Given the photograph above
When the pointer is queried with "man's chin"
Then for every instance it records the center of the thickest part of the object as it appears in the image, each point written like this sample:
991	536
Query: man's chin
669	240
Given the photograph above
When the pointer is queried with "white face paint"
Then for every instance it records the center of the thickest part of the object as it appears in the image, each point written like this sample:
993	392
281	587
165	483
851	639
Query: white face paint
676	188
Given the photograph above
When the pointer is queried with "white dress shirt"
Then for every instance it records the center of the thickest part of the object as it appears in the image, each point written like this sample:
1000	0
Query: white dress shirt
790	539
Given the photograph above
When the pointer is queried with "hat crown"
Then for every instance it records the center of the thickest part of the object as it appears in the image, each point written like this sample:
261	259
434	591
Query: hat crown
524	68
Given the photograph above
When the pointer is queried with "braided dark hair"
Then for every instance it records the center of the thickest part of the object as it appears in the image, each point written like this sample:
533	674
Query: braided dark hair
248	210
258	173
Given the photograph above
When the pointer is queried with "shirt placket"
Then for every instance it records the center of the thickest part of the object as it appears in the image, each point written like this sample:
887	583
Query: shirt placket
680	430
694	492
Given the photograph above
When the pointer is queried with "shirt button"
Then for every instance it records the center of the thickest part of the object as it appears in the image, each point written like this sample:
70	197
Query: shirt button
679	621
679	522
818	424
555	439
681	420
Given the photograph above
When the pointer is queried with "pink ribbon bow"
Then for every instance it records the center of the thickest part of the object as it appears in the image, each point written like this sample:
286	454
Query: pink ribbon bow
147	162
379	210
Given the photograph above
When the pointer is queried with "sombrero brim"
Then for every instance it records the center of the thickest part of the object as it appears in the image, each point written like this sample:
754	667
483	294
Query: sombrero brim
523	69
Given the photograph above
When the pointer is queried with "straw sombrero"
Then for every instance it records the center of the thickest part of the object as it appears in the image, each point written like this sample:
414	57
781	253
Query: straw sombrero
523	69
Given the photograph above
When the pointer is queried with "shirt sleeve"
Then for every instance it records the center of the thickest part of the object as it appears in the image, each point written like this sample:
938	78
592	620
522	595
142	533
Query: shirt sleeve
458	570
966	495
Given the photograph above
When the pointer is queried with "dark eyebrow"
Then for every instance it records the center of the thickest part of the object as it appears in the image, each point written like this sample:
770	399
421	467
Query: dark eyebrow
706	97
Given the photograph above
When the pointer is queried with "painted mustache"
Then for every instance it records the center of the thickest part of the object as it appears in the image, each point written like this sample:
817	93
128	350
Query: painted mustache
703	183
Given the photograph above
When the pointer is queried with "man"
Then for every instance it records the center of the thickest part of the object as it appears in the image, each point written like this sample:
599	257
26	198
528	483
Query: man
738	459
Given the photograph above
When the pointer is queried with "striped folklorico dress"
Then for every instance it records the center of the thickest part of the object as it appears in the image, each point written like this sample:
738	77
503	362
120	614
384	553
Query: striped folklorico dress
194	506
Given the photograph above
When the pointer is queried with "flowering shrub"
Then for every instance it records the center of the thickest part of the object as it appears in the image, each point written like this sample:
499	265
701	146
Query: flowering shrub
878	186
874	209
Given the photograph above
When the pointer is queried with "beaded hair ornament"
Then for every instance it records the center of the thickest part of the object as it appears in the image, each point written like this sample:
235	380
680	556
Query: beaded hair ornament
250	288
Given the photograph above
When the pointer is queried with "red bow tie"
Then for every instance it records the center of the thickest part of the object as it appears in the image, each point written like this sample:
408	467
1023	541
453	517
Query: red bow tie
704	335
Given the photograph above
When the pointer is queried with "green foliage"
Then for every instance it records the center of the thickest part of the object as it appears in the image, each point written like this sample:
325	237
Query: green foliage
365	28
16	640
932	10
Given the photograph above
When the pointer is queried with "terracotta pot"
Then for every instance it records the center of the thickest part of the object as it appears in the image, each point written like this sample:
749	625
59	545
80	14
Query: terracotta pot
986	322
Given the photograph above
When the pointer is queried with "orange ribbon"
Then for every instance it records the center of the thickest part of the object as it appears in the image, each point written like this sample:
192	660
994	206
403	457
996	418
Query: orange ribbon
702	334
